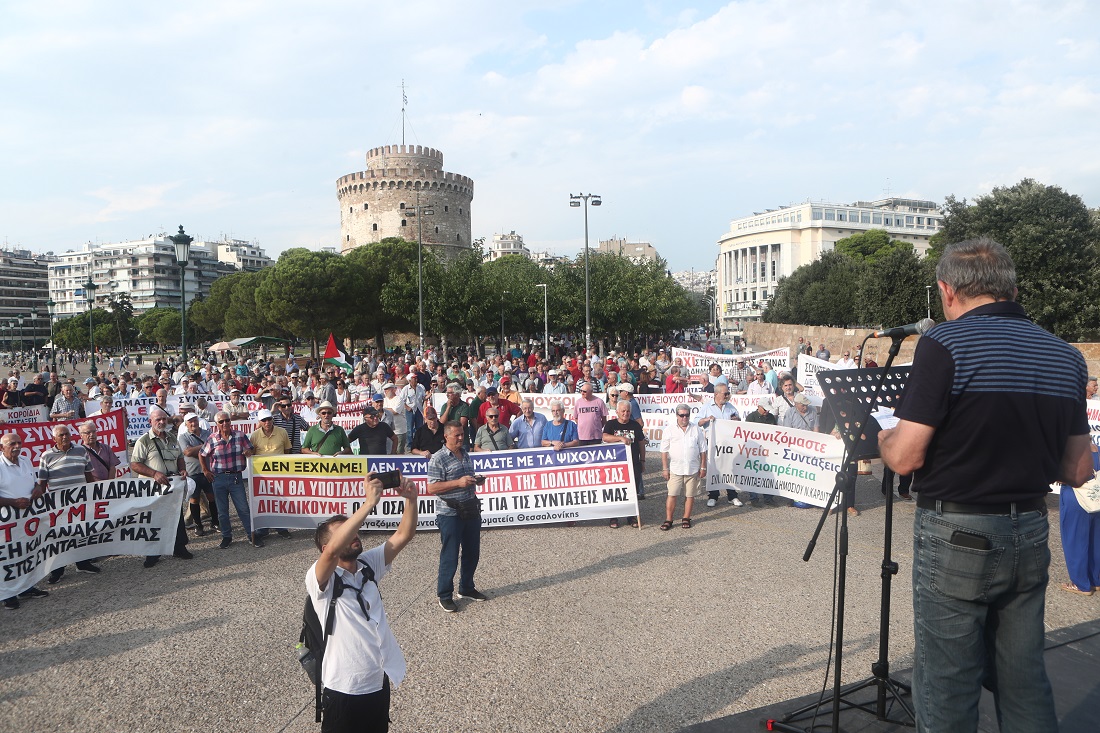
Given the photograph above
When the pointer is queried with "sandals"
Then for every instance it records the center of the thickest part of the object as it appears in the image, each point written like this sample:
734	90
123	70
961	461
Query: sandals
1071	588
614	524
666	525
685	523
634	522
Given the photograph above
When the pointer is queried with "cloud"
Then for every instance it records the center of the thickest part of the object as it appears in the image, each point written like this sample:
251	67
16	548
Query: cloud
129	201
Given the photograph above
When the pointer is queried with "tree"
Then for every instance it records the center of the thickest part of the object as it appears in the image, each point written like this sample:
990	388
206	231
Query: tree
148	324
1054	241
121	319
209	313
821	293
892	289
868	246
72	333
387	299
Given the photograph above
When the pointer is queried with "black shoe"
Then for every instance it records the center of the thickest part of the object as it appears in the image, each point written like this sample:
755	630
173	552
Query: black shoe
446	604
641	497
33	592
199	530
257	541
88	567
284	533
183	554
55	576
13	603
150	561
473	595
226	542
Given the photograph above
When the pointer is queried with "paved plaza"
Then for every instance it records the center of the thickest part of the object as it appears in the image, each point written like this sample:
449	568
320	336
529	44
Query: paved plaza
587	629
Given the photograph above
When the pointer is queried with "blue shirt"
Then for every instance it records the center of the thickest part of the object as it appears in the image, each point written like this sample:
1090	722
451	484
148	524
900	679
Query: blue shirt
525	434
564	433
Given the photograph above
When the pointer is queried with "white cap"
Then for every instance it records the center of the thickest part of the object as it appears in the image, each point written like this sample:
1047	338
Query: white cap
263	414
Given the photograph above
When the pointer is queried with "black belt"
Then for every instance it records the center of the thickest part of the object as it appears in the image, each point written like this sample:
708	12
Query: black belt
954	507
228	473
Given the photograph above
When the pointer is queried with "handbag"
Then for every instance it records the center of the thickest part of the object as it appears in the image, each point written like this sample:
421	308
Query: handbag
467	508
1088	495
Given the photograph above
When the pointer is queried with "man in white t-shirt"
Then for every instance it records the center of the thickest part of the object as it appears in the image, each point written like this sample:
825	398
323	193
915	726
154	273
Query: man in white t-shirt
361	656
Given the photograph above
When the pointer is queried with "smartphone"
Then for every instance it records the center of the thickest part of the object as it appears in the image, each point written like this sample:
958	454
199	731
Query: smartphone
389	479
479	480
972	541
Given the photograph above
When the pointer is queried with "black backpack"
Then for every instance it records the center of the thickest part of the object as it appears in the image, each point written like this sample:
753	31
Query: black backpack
311	649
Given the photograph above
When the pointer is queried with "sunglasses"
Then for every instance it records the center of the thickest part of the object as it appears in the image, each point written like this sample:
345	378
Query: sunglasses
223	422
266	419
682	414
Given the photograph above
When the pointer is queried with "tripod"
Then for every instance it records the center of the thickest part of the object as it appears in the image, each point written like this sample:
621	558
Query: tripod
845	393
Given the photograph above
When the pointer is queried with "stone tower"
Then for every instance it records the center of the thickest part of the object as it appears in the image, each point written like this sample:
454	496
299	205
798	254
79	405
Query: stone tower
381	201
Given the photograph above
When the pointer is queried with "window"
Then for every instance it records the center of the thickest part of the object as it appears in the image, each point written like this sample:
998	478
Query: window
445	209
402	222
401	205
908	221
876	218
815	214
348	238
374	227
842	216
350	209
437	230
865	217
366	206
773	269
830	215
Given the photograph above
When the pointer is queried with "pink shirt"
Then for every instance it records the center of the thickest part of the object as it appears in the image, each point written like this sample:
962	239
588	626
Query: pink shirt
589	416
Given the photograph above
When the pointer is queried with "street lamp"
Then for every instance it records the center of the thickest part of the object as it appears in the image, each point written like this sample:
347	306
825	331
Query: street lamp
11	340
34	337
545	320
182	243
928	299
19	319
89	292
589	199
50	306
419	213
502	320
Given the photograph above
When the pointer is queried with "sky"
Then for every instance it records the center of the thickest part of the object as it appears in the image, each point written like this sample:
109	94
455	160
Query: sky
122	119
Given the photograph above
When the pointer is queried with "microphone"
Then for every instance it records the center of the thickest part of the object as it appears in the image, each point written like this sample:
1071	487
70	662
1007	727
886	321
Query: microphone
913	329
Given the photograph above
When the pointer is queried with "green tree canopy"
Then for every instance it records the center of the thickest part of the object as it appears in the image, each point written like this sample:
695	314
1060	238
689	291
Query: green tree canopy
869	246
310	293
822	293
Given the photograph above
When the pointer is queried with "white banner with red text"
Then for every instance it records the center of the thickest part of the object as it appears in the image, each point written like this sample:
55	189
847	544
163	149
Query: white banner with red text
35	413
126	516
521	487
698	362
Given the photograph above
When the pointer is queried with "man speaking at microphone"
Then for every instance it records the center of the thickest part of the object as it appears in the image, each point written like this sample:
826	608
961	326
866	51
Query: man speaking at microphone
986	435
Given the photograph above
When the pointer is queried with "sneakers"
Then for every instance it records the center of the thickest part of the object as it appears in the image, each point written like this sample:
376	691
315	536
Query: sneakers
199	530
257	541
712	502
473	595
736	502
183	554
226	542
11	604
446	604
284	533
33	592
88	567
55	576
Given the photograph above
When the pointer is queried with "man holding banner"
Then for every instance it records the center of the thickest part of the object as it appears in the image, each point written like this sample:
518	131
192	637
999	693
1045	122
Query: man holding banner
719	409
157	455
60	467
17	489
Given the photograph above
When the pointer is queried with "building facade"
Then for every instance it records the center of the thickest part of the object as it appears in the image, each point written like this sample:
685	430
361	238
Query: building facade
146	270
24	292
400	182
638	252
506	244
760	249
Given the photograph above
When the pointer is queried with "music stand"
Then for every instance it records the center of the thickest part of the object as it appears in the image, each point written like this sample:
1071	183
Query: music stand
853	395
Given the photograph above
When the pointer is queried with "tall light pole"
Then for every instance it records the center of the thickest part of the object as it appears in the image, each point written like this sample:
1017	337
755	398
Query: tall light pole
419	213
89	291
506	292
50	306
182	243
928	299
589	199
545	320
34	338
19	319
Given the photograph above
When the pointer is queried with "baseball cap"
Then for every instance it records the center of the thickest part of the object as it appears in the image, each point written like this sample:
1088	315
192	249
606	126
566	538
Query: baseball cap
192	416
378	397
491	390
388	385
263	415
626	387
801	399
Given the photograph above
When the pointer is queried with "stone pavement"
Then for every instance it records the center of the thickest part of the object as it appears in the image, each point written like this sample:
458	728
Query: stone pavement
587	629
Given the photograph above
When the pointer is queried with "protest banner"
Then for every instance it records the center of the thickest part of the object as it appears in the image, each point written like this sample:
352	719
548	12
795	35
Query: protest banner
35	413
522	487
808	367
698	362
127	516
768	459
110	429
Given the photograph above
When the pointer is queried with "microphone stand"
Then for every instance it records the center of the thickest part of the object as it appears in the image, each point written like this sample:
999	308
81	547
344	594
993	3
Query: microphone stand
845	483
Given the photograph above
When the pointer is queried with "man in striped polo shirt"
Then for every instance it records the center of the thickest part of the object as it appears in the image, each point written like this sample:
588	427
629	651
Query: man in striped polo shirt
986	434
64	465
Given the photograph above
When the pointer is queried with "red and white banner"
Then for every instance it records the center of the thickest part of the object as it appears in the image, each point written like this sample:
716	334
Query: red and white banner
698	362
110	429
35	413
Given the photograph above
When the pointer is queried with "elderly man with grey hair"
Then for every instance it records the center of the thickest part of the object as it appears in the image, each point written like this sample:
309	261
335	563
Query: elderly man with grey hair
526	430
64	465
224	458
158	455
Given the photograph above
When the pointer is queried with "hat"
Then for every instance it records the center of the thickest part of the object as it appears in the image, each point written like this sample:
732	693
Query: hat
801	399
388	385
16	380
192	416
234	390
505	380
186	406
626	387
326	405
369	411
378	397
307	395
89	380
552	373
765	402
263	415
740	360
491	391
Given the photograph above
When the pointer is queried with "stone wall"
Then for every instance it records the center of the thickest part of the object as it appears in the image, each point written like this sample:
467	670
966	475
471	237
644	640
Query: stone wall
763	336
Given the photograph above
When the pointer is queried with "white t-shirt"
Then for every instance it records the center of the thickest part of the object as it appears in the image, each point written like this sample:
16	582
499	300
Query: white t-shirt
16	480
360	651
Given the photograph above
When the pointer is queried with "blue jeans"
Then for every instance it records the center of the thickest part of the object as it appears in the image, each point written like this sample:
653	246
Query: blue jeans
457	533
226	486
978	621
413	420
